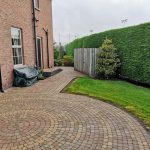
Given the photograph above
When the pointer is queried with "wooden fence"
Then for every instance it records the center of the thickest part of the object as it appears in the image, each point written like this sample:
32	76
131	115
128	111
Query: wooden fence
85	60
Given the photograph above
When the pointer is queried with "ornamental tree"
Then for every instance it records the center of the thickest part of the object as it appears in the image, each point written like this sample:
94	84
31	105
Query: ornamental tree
107	60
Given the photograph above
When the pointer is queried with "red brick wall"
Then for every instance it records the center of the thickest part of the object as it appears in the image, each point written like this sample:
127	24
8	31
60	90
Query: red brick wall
44	15
18	13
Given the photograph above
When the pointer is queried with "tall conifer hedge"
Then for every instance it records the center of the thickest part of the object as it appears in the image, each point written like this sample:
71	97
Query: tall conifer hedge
133	45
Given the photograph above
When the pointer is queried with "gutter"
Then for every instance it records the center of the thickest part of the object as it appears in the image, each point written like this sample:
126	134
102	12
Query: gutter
35	34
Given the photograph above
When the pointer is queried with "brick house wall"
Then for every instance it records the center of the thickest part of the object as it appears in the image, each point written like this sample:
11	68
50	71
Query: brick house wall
45	21
18	13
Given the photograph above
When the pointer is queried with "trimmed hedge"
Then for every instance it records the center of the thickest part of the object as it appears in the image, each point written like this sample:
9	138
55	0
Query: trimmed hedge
133	44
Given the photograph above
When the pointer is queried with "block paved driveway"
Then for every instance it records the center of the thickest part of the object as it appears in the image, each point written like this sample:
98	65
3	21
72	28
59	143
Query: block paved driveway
42	118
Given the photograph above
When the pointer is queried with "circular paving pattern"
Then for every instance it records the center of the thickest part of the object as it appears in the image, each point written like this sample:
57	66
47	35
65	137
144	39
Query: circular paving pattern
66	122
23	127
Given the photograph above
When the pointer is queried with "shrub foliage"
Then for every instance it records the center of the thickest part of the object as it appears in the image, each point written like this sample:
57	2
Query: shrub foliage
58	62
68	60
133	44
107	60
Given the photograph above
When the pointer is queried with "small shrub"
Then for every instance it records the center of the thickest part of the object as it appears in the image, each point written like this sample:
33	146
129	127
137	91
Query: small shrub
68	60
58	62
40	75
56	53
107	60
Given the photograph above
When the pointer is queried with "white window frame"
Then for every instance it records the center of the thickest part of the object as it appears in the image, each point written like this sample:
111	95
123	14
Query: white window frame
37	4
17	46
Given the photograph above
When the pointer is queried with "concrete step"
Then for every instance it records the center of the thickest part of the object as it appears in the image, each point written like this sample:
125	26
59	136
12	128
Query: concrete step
51	72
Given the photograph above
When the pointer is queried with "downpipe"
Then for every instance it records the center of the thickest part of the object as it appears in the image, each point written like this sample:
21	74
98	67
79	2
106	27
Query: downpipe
1	84
35	34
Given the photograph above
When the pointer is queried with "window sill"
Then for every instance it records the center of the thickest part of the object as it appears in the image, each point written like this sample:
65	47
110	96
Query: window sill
37	9
19	66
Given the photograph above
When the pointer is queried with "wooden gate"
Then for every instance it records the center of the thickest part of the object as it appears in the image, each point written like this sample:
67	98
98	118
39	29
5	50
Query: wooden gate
85	60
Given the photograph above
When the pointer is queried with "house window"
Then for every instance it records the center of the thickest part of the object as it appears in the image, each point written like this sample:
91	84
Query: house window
16	46
37	4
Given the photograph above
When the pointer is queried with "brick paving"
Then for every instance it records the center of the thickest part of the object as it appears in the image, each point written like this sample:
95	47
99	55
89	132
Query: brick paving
42	118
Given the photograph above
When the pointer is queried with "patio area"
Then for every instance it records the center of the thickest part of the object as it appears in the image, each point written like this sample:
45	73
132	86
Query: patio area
41	118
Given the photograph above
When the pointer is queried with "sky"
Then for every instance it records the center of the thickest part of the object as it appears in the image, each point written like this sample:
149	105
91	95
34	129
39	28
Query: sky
77	18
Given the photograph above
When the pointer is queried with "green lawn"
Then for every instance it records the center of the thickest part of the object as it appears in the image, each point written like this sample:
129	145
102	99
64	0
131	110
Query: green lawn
133	98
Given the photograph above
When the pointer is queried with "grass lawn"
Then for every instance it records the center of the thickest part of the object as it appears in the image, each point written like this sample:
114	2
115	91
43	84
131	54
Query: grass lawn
133	98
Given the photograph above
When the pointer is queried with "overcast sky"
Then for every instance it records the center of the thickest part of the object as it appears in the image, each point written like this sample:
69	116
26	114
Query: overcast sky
76	18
